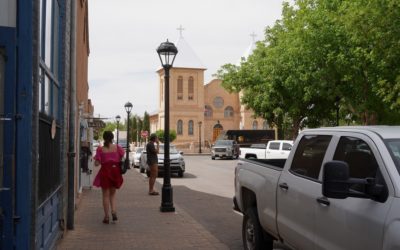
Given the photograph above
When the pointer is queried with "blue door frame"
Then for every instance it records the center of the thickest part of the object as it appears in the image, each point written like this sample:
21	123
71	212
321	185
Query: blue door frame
7	195
24	107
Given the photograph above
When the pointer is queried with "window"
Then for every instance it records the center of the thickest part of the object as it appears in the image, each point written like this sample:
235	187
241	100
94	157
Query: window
208	112
255	125
274	145
49	92
191	88
265	125
180	88
218	102
228	112
286	146
190	127
179	127
358	155
309	155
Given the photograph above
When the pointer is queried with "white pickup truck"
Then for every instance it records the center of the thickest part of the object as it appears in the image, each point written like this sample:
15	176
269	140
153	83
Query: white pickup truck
276	149
338	189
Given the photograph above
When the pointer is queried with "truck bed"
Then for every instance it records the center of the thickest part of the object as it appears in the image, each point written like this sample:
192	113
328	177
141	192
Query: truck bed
272	163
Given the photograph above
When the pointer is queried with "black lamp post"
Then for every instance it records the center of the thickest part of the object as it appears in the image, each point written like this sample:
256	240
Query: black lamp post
118	118
200	137
167	52
128	107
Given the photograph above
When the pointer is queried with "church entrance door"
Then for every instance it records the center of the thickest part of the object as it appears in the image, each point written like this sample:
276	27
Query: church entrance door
217	130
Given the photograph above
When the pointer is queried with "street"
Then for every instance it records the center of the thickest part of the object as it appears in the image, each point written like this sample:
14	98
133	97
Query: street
208	186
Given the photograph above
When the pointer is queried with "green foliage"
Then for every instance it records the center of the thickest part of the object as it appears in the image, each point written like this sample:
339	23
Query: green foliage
146	122
324	56
160	135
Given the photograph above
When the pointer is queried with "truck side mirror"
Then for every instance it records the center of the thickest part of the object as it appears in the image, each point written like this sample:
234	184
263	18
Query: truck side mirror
335	180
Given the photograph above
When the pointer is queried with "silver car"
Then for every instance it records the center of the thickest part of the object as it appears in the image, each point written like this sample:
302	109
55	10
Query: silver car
225	149
136	156
177	162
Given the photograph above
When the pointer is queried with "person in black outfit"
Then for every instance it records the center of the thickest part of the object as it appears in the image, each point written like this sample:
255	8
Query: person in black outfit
152	149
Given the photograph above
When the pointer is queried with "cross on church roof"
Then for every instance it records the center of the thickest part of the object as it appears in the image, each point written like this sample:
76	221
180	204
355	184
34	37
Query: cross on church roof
253	35
181	29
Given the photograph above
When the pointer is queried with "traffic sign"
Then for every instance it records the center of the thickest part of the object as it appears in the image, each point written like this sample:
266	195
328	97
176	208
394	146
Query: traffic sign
144	133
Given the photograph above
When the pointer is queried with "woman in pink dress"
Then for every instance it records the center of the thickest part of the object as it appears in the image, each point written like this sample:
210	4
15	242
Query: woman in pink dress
109	177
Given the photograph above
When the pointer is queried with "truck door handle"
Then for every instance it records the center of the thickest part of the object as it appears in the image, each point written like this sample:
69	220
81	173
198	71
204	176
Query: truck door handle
323	201
284	186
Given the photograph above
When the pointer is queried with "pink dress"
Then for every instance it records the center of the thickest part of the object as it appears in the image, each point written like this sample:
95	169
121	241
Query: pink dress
109	174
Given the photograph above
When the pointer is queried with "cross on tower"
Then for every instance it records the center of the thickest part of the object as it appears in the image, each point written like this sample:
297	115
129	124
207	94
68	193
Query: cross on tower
253	35
181	29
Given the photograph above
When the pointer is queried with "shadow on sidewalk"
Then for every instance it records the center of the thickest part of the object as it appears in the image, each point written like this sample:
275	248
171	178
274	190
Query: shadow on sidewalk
213	212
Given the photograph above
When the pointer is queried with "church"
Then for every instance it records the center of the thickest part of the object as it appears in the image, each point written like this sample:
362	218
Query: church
199	111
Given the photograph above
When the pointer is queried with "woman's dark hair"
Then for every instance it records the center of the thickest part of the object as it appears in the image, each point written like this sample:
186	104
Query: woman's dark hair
153	137
108	137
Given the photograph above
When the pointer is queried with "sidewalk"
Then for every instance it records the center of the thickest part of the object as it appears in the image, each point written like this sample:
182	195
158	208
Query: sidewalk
141	225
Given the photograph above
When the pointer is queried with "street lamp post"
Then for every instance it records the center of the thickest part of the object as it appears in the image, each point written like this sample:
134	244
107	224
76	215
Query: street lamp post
200	137
118	118
128	108
167	52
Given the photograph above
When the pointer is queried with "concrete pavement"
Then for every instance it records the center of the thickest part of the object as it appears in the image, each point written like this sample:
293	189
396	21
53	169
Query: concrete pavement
141	225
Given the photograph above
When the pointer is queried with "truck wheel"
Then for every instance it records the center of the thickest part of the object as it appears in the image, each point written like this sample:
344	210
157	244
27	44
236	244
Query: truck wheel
180	173
212	158
252	232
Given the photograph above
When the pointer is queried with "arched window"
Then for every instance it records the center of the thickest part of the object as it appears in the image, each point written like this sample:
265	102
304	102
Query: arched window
179	91
228	112
179	127
190	127
265	125
255	124
208	112
191	88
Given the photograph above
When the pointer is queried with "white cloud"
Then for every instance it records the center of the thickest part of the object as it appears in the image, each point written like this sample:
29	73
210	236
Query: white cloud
124	35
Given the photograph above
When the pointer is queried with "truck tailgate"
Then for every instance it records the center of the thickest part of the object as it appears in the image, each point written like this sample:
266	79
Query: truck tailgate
261	178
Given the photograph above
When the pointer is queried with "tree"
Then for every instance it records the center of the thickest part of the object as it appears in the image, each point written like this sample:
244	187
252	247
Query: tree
146	122
324	56
134	128
160	135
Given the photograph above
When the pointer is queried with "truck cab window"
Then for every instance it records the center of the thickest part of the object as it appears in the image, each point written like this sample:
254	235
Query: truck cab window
274	145
309	155
359	157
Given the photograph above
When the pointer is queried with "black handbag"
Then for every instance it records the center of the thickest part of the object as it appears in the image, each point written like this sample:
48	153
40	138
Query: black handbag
122	167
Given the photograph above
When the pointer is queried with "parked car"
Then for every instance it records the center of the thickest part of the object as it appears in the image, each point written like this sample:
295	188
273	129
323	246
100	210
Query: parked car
338	189
177	162
275	149
136	156
225	149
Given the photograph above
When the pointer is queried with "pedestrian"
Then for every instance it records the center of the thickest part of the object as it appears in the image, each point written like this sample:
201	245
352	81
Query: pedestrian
152	149
109	177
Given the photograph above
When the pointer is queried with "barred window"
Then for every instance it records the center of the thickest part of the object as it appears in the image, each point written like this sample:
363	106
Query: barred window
228	112
191	88
179	127
208	112
190	127
180	88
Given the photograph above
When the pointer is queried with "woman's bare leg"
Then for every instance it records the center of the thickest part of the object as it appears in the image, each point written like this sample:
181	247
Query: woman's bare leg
112	199
106	201
153	176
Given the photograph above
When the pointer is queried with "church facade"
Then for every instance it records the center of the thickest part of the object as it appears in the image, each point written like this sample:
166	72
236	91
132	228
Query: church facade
199	111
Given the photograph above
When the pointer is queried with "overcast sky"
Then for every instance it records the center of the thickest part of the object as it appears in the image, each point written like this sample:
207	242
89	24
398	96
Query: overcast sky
124	35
